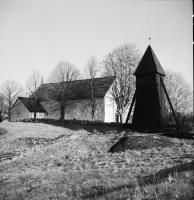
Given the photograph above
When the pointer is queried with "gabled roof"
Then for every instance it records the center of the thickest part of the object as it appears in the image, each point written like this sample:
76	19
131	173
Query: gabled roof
149	64
31	105
80	89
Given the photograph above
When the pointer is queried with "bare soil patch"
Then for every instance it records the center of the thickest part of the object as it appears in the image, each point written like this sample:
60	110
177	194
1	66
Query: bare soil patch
142	142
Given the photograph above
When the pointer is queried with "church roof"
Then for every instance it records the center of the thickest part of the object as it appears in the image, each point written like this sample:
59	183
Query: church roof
149	64
81	89
31	105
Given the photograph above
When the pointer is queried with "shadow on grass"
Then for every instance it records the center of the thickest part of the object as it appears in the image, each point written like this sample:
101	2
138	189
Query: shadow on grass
90	128
108	128
142	181
105	128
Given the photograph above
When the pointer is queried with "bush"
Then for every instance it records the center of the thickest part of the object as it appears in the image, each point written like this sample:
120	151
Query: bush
186	123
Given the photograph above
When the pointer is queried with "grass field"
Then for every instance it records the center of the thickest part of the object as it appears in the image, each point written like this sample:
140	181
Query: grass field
66	163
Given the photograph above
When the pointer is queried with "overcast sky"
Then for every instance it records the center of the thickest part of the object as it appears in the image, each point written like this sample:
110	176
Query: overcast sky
38	34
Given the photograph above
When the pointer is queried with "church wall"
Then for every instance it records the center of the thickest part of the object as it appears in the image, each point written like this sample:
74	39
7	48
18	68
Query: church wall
110	108
19	111
77	109
51	109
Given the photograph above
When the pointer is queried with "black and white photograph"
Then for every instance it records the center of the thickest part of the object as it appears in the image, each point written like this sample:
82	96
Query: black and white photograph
96	100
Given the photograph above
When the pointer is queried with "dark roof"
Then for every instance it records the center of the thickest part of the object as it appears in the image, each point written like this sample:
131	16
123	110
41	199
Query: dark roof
80	88
149	64
31	105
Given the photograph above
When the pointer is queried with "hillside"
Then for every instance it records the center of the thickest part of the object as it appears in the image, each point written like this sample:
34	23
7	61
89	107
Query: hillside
51	162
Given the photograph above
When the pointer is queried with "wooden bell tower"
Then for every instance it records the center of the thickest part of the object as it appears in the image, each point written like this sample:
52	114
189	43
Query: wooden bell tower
150	109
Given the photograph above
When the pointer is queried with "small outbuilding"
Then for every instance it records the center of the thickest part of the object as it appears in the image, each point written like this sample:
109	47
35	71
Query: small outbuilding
25	108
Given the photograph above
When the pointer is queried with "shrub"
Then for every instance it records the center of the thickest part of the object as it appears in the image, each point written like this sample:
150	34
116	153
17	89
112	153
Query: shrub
186	123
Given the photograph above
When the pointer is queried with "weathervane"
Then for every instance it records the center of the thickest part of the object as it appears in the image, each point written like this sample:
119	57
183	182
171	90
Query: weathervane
149	40
150	102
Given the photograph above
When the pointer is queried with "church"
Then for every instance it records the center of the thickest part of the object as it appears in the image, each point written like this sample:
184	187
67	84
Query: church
149	98
78	107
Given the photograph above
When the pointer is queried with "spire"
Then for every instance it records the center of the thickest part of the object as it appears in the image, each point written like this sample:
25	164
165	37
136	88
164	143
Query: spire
149	64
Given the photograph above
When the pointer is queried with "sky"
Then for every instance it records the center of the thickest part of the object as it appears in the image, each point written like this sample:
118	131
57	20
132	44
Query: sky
38	34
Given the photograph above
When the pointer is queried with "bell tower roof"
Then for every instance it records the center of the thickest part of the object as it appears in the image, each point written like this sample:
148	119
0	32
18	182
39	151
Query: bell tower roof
149	64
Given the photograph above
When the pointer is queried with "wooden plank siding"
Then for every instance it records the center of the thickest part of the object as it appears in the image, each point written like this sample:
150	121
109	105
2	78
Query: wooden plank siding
150	109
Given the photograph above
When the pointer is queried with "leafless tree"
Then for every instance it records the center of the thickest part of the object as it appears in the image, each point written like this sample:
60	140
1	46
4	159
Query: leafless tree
92	70
180	93
3	110
122	62
10	90
60	92
32	85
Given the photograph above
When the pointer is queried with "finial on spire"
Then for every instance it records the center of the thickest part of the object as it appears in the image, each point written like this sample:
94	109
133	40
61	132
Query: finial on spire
149	40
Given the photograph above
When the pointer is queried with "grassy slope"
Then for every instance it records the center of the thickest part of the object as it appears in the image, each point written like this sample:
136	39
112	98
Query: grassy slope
26	130
66	169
